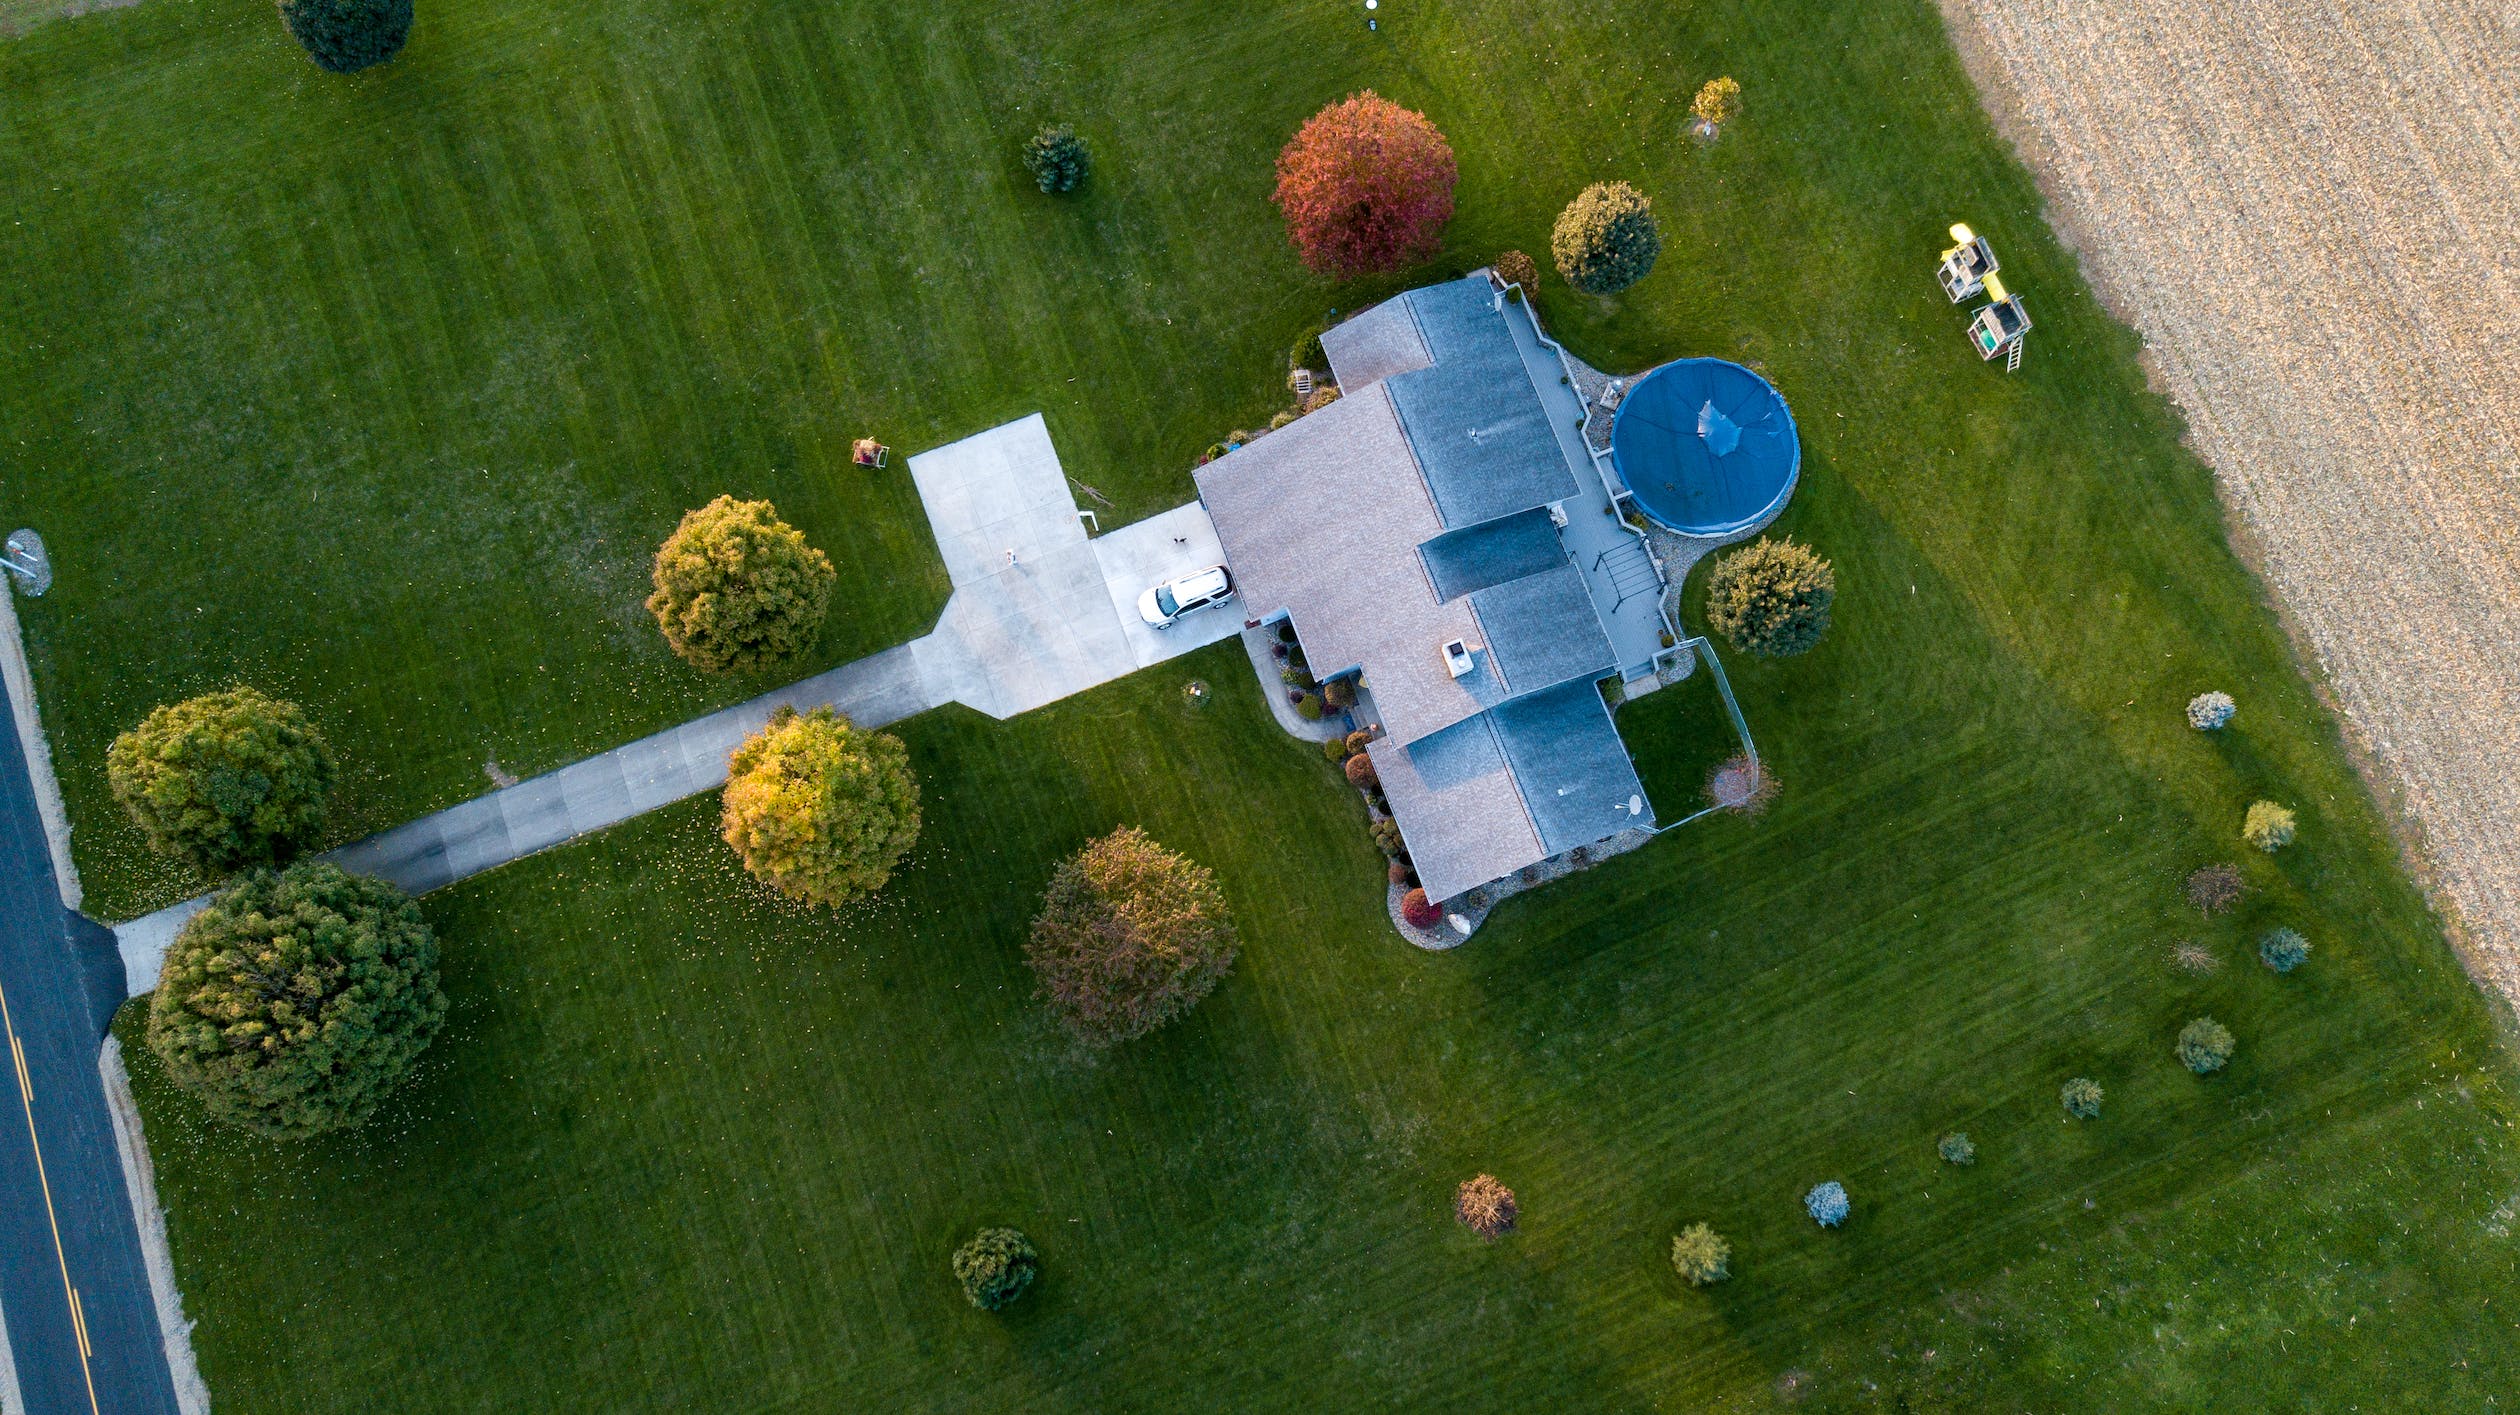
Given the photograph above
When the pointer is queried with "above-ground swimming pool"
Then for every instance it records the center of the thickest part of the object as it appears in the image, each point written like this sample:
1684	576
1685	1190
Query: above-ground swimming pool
1707	447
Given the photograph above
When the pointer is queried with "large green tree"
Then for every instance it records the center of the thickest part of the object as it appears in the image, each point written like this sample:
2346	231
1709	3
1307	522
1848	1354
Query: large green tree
1771	598
225	779
738	589
298	1000
818	809
346	36
1130	936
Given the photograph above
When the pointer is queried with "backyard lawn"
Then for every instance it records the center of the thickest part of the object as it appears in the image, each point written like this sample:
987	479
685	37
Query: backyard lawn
378	392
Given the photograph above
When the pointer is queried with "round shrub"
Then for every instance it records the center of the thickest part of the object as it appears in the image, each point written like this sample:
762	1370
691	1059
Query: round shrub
2210	712
223	780
2214	888
1826	1203
1323	395
1130	936
1420	911
1956	1148
1055	156
1360	739
1308	354
1701	1256
1361	773
2268	826
1718	102
1336	749
1485	1207
2283	950
1606	239
1339	693
738	589
346	36
1366	186
2081	1098
1308	707
2204	1046
818	809
1386	833
1771	598
1282	417
1401	874
995	1267
1515	268
297	1001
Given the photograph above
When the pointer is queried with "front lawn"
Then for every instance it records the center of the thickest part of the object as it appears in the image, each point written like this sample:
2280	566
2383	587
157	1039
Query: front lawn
378	393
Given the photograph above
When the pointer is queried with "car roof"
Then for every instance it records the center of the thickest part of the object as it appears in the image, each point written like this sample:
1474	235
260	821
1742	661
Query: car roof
1206	582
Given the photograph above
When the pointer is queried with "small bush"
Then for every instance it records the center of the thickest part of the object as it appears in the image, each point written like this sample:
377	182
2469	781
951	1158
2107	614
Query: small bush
1742	783
1701	1256
297	1001
1826	1203
995	1267
1361	773
2268	826
1771	598
2192	957
1360	739
2204	1046
738	589
1282	417
224	780
1339	693
1387	835
1366	186
1308	707
1056	158
2210	712
1130	937
1485	1207
1717	103
818	809
1956	1148
1606	239
1528	874
345	36
1420	911
2215	888
1308	353
1402	874
1336	749
1515	268
1323	395
2081	1098
2283	950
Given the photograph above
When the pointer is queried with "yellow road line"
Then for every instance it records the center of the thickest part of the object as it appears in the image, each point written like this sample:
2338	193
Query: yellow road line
26	1099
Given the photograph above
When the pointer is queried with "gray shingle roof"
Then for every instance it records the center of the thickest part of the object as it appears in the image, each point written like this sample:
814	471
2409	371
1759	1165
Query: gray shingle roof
1375	345
1492	552
1482	438
1542	629
1572	767
1454	796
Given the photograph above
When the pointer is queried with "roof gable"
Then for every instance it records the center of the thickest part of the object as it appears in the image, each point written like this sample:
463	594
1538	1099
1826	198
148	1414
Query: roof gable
1482	438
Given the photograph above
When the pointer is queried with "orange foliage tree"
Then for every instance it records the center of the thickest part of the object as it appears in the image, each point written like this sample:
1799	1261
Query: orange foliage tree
1366	186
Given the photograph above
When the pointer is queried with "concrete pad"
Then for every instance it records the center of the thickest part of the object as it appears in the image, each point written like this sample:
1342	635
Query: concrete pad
993	492
1137	556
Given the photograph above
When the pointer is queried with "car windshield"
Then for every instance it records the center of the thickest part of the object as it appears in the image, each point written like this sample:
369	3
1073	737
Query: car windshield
1164	600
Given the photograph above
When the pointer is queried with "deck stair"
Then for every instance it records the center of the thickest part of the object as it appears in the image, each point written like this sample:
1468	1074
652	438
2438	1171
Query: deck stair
1631	570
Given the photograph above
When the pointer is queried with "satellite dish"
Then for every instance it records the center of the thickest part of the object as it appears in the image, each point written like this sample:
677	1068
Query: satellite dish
1636	805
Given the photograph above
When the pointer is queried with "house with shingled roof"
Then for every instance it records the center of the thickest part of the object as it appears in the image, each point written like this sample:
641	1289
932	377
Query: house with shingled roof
1443	530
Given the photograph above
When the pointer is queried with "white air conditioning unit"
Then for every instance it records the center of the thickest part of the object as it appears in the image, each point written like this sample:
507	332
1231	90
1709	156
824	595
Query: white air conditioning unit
1457	659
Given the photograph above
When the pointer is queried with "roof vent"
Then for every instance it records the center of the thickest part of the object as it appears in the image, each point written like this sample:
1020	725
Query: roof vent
1457	658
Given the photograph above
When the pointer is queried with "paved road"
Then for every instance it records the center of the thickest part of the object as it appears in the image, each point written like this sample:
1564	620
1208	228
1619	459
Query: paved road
81	1323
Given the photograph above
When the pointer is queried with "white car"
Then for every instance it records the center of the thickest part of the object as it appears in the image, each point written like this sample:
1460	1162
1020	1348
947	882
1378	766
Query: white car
1166	603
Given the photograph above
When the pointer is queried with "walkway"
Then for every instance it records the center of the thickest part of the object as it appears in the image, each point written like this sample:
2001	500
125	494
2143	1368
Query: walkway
81	1321
1058	618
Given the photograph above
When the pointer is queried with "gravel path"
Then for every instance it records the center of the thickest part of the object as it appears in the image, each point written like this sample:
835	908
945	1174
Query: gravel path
2311	211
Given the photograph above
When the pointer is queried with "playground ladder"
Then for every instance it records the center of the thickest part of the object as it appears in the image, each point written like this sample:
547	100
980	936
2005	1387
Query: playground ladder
2012	361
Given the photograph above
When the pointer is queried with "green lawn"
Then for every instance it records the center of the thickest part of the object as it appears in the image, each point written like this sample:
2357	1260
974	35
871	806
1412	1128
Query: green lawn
378	391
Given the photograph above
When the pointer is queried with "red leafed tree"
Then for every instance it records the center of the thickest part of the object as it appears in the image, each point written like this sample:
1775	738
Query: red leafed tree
1366	185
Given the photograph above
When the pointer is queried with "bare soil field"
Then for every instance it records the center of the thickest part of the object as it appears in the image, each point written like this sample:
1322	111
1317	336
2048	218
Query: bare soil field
2310	210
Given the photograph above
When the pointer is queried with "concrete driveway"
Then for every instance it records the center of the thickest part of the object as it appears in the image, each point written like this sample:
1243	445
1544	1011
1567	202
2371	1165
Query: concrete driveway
1039	611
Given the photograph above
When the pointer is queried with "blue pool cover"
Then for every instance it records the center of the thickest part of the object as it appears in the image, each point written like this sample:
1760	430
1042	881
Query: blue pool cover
1707	446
